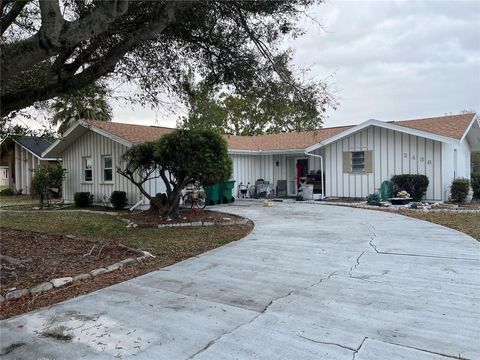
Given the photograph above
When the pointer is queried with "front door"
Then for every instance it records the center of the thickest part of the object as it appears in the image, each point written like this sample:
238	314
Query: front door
297	173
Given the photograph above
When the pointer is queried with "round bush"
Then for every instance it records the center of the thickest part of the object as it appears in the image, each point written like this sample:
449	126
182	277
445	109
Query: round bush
81	199
6	192
459	190
118	199
416	185
373	199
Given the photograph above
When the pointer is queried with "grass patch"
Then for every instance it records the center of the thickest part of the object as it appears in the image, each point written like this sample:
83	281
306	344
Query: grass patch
15	200
467	223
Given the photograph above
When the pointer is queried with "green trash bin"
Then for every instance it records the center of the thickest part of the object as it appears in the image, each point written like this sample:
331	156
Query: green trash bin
386	190
226	190
212	194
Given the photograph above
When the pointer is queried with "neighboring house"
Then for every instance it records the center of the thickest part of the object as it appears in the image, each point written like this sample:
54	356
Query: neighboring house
19	157
356	159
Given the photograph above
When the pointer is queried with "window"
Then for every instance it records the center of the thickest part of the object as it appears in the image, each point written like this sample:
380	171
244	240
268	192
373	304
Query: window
107	168
87	169
358	161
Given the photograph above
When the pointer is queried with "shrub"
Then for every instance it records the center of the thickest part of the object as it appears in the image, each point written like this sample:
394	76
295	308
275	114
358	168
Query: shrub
459	190
416	185
475	183
6	192
118	199
47	179
81	199
373	199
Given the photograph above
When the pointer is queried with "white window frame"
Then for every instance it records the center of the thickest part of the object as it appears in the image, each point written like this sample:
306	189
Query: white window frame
352	169
85	169
107	168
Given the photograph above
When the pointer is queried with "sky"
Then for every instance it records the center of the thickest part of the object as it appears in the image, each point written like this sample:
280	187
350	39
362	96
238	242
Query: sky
384	60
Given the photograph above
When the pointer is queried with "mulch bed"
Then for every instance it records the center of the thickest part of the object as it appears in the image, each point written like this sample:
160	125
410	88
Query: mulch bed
147	218
30	258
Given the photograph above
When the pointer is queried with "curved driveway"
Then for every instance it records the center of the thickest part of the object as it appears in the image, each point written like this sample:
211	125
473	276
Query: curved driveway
310	282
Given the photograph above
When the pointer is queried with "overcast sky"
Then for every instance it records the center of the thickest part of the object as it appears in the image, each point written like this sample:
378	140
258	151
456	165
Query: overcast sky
385	60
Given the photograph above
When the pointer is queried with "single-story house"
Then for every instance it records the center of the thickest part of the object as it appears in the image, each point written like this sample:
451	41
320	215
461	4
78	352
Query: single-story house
19	157
353	160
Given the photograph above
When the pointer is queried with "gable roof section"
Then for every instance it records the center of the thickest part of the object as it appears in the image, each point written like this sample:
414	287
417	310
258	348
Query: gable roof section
130	132
449	129
35	145
452	126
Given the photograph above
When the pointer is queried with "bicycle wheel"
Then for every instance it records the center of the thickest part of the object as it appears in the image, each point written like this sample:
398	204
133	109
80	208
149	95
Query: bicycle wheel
201	201
188	201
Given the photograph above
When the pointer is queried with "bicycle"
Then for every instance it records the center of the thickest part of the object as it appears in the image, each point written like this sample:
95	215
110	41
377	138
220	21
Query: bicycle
195	196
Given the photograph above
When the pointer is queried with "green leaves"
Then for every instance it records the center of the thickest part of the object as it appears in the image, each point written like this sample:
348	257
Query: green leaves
194	154
87	103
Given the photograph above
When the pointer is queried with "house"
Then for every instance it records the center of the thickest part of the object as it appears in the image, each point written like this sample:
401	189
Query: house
19	157
353	160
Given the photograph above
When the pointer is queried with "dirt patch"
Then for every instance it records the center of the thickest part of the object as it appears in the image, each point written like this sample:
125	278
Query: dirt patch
146	218
30	258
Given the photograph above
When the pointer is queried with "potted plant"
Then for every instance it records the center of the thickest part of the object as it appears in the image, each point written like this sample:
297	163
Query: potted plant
403	198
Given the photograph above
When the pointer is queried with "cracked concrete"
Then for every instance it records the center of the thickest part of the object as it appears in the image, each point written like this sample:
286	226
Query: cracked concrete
310	282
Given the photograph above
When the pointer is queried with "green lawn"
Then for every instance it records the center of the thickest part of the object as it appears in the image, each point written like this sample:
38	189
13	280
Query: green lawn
168	244
17	200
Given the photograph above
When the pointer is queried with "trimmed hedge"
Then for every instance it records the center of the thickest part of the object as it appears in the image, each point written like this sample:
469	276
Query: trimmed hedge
475	183
81	199
459	190
118	199
416	185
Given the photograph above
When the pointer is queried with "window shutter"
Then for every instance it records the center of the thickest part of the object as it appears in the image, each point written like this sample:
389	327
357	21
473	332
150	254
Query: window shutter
346	162
368	161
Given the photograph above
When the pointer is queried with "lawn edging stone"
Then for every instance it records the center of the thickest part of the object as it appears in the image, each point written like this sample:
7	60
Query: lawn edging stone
59	282
206	223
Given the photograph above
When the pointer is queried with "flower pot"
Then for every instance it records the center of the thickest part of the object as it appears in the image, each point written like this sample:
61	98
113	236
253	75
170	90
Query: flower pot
400	201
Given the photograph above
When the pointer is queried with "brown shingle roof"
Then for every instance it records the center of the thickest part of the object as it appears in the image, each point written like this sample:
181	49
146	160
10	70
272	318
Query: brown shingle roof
453	126
130	132
283	141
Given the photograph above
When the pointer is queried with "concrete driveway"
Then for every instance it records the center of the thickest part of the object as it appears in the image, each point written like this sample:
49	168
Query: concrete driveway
310	282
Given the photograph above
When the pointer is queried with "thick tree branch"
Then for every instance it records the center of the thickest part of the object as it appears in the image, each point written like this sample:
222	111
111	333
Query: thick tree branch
24	54
10	17
105	65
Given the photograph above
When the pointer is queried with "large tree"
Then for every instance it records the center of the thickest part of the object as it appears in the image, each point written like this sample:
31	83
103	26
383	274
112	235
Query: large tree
50	47
177	158
89	102
270	108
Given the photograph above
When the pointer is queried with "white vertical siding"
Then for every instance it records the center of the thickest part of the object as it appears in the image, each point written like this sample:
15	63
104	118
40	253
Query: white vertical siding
247	168
394	153
96	146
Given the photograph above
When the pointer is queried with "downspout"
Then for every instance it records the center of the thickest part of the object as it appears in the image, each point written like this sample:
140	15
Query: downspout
321	168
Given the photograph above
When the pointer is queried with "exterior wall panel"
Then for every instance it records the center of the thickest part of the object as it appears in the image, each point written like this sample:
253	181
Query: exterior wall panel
393	153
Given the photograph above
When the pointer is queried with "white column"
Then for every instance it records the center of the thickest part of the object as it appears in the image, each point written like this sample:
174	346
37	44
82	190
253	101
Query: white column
16	161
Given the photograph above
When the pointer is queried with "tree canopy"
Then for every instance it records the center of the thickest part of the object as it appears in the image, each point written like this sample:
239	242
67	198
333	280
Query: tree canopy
177	158
271	108
51	47
89	102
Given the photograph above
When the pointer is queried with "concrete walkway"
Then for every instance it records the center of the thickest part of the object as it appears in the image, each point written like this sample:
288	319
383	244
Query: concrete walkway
310	282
